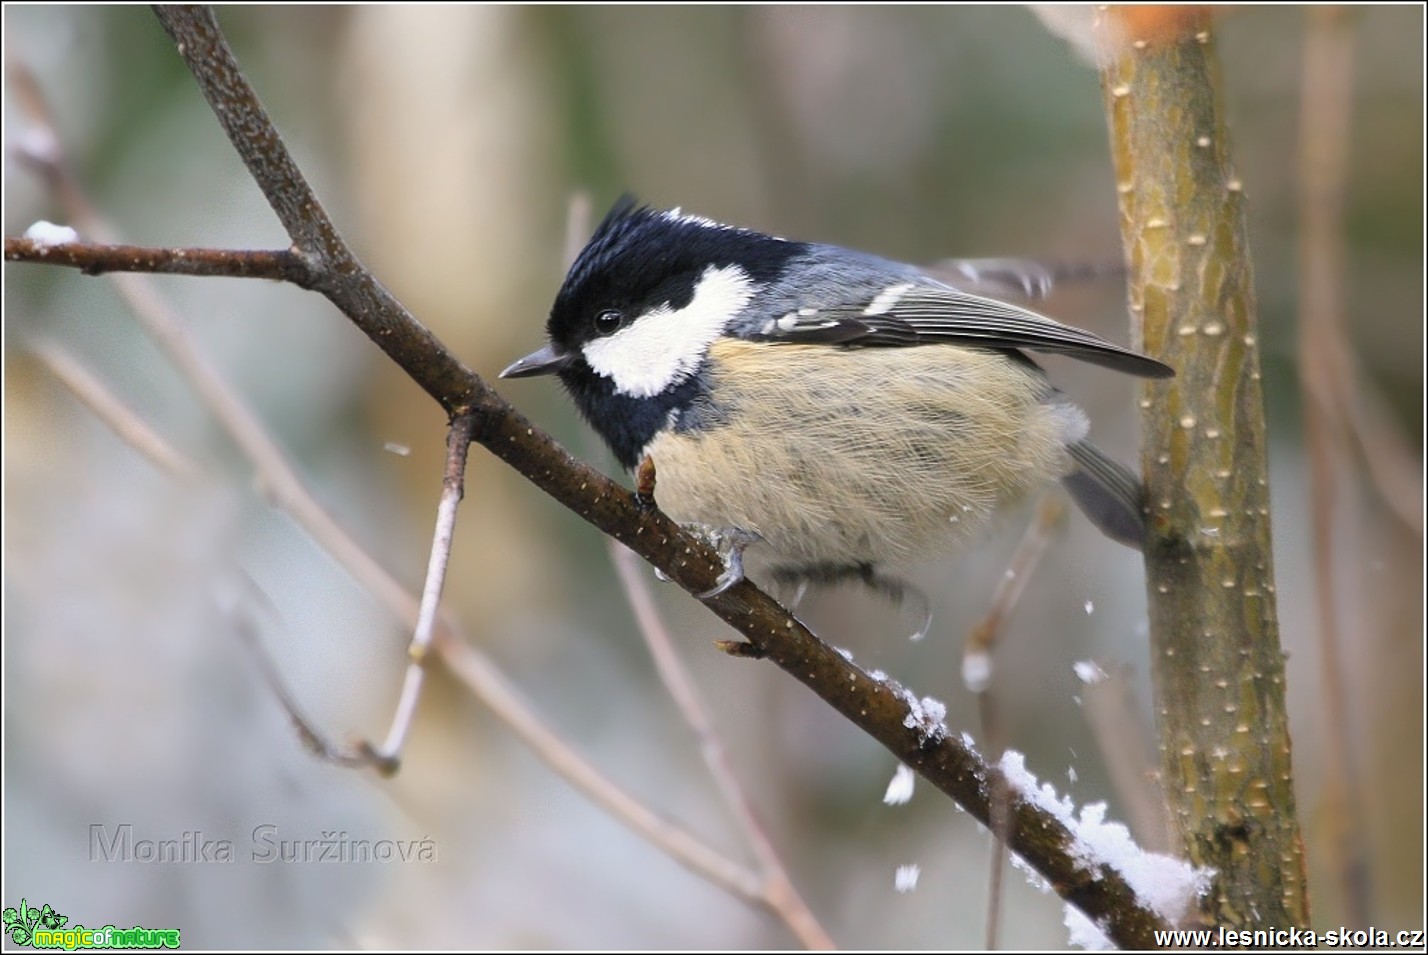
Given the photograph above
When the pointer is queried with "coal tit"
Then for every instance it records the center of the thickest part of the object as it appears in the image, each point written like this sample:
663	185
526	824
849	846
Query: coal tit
841	411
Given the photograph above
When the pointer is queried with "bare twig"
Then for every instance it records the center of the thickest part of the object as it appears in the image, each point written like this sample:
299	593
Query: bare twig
1120	736
140	435
492	688
1393	465
108	408
317	742
453	488
781	895
95	259
996	874
977	670
982	638
1325	362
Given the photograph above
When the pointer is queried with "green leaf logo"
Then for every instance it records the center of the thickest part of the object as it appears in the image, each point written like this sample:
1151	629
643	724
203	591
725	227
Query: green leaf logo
51	919
21	923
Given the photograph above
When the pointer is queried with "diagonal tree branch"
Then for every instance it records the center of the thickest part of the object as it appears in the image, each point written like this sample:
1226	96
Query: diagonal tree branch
886	711
338	274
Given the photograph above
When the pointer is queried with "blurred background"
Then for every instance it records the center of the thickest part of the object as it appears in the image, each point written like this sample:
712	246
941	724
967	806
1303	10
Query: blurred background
447	145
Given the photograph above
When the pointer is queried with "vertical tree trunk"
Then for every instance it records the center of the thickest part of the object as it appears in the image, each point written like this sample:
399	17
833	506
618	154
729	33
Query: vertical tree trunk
1217	668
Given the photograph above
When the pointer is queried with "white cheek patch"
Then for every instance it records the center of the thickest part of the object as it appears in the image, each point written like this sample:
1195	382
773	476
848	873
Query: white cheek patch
664	346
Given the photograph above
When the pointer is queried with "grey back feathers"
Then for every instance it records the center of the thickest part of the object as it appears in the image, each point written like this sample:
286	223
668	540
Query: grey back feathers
853	299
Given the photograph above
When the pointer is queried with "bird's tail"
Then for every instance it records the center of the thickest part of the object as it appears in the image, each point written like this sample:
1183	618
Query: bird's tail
1108	493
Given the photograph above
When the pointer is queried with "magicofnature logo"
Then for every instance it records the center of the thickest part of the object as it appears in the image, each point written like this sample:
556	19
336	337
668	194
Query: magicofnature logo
45	928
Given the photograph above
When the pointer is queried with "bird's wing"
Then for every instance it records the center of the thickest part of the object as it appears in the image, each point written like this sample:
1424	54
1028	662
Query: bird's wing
913	313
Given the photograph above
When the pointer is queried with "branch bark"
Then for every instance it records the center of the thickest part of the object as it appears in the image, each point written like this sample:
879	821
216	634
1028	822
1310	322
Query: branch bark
338	274
93	258
1217	667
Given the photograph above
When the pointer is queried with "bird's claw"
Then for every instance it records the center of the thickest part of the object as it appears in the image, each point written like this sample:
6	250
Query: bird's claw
731	544
900	592
926	625
733	573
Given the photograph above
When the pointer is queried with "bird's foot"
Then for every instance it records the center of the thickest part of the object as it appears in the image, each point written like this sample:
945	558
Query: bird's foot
895	589
902	593
730	542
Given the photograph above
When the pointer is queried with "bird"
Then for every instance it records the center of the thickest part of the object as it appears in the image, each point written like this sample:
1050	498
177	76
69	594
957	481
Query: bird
837	413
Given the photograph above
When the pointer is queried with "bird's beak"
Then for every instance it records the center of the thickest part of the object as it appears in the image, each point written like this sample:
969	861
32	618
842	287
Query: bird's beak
547	361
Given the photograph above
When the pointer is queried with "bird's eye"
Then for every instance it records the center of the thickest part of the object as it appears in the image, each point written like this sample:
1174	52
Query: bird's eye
609	322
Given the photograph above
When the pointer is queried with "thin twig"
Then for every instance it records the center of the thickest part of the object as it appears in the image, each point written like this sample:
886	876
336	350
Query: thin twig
1125	750
453	488
996	873
39	147
141	436
108	408
982	638
492	688
1394	466
316	742
782	897
977	670
91	258
1326	380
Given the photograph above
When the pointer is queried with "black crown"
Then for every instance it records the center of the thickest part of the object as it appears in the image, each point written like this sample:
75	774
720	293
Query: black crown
640	258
